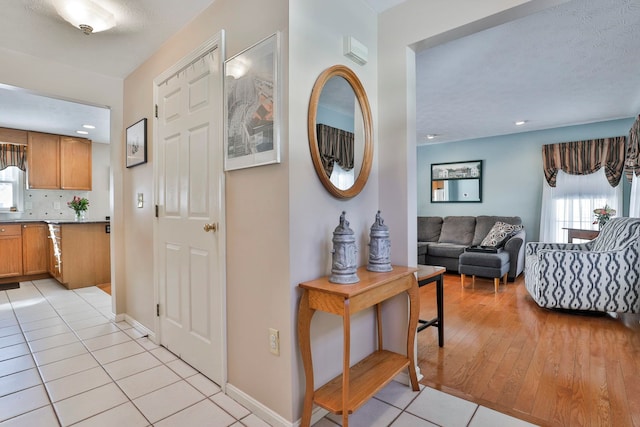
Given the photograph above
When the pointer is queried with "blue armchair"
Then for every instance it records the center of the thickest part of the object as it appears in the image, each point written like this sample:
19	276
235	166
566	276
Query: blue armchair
600	275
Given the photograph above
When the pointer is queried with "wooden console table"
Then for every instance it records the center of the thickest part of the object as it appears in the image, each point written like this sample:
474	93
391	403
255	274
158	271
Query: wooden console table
576	233
347	392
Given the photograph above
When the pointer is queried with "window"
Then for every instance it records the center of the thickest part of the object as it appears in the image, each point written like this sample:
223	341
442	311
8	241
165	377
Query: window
571	203
11	189
342	178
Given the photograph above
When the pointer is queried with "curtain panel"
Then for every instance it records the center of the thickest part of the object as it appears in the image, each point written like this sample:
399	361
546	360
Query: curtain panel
335	145
585	157
13	155
632	163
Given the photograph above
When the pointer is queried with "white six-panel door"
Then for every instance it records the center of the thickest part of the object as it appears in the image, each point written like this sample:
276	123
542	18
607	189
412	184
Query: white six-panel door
189	259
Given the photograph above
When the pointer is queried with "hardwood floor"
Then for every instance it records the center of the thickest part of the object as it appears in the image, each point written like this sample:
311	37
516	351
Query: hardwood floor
105	287
547	367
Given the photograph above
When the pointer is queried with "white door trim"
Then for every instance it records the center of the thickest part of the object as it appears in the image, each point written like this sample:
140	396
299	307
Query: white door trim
217	42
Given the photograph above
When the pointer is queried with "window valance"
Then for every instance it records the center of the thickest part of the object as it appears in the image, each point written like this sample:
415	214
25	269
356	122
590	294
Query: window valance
585	157
335	145
632	163
13	155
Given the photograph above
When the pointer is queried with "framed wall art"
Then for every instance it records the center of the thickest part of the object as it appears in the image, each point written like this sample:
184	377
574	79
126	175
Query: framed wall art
137	143
457	182
252	106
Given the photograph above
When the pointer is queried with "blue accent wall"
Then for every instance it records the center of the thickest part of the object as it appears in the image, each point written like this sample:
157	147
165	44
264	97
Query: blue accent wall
512	171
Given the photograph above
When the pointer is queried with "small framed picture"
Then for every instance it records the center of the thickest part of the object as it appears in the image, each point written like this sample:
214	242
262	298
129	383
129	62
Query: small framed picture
252	106
137	143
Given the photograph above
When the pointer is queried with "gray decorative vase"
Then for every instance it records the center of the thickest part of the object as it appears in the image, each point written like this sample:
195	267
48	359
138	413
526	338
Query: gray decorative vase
344	265
379	247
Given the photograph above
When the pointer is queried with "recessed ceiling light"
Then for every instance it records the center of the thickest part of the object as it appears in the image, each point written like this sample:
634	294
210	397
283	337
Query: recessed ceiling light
88	126
431	136
520	122
82	132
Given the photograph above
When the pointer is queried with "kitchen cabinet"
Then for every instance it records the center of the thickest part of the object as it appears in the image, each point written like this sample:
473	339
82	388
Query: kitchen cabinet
43	161
13	136
80	254
75	163
11	250
35	250
57	162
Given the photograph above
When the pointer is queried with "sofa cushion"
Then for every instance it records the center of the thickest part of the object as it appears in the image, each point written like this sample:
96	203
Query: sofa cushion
499	233
458	230
446	250
485	222
429	228
497	260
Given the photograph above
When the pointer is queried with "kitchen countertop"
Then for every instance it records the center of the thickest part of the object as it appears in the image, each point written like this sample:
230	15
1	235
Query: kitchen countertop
49	221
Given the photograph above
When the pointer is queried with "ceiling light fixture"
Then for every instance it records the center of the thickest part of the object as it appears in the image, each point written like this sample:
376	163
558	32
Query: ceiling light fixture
82	132
431	136
520	122
85	15
88	126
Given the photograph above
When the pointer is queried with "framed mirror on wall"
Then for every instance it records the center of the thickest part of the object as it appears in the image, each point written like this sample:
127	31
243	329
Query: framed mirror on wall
456	182
340	132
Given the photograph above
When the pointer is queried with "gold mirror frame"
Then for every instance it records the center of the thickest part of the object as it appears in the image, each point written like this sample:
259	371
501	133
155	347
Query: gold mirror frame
367	158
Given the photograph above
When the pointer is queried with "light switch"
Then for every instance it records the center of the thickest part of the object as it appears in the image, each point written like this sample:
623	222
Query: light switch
140	200
56	205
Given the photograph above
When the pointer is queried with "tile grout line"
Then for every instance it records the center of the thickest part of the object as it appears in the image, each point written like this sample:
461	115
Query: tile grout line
94	358
35	364
101	365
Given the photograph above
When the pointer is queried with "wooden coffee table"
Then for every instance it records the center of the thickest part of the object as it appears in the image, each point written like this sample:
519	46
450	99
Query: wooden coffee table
428	274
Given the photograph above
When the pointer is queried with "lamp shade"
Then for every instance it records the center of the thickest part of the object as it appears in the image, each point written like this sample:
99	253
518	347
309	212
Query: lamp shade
85	13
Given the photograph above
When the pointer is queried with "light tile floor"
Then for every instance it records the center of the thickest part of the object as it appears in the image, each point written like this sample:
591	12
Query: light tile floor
63	362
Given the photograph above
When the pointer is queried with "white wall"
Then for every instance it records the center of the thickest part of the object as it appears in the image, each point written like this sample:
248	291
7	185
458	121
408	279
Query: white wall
257	218
316	33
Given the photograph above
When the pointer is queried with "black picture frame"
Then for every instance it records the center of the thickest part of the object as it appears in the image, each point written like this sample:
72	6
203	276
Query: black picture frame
136	139
456	182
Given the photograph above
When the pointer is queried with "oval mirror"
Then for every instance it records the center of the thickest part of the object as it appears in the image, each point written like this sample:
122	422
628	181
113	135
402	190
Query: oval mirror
340	132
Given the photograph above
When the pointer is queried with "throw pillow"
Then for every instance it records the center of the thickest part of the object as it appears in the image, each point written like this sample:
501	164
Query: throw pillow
499	233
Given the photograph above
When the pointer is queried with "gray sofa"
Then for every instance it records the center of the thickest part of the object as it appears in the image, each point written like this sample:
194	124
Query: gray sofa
442	240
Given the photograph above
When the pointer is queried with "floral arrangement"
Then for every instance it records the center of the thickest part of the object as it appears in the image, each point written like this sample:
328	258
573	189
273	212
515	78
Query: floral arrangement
603	215
78	204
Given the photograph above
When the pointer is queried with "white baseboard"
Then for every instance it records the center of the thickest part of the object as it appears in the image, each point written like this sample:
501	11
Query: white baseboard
257	408
139	327
403	377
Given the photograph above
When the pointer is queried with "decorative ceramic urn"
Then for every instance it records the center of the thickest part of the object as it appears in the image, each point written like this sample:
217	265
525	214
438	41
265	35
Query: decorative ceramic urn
344	265
379	247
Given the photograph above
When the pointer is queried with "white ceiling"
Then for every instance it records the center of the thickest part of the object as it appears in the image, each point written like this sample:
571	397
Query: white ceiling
33	27
572	64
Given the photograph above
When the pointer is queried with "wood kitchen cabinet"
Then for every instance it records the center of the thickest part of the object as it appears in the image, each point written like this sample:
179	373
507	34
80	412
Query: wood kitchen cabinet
79	254
58	162
35	249
75	163
43	161
11	250
13	136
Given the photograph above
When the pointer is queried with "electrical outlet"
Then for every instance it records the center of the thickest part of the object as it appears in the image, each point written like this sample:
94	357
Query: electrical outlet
274	341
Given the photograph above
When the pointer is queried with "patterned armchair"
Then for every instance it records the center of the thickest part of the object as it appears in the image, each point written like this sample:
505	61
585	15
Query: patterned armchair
600	275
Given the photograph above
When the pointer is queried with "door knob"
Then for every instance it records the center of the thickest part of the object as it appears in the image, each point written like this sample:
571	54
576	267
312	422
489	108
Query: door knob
211	227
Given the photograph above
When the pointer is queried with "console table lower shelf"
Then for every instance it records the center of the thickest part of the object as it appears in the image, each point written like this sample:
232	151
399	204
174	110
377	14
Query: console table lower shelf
347	392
